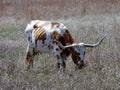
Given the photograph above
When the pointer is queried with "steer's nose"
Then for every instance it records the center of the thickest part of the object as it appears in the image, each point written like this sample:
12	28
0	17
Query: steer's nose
81	65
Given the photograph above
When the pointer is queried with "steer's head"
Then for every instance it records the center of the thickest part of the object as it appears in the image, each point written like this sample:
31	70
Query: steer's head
77	53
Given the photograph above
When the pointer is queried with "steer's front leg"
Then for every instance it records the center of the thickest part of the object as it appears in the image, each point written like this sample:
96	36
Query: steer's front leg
60	64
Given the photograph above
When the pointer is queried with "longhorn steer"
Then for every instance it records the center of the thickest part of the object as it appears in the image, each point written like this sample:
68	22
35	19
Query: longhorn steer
55	38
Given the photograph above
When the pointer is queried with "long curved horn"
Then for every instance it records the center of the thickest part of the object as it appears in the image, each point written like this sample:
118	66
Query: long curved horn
81	44
96	44
64	47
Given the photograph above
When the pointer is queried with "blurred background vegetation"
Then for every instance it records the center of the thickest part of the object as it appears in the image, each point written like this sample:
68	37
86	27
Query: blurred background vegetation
87	20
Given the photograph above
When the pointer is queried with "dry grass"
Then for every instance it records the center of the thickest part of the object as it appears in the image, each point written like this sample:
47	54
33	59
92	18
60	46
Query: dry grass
92	19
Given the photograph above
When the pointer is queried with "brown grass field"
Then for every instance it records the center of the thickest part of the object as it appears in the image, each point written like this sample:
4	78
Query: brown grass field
87	20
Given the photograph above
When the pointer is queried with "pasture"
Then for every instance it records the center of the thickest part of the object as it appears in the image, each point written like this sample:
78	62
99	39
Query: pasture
87	21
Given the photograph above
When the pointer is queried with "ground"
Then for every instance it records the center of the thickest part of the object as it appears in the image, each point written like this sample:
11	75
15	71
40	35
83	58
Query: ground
87	22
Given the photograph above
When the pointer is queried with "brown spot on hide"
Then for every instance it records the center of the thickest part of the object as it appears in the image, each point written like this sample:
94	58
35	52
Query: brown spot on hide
75	56
55	24
68	38
55	35
35	25
40	34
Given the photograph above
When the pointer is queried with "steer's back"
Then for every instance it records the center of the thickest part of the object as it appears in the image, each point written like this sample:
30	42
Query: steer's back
41	35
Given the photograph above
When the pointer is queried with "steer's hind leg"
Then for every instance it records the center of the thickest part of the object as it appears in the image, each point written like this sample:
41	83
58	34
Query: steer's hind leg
29	57
29	60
